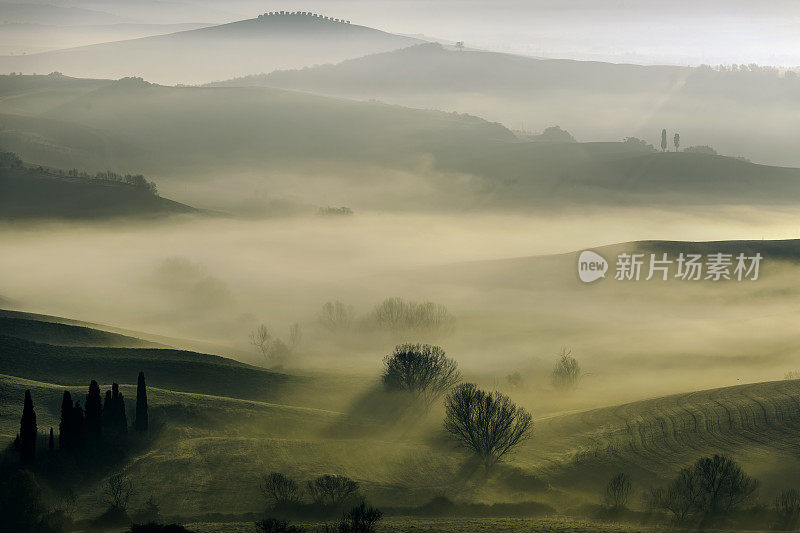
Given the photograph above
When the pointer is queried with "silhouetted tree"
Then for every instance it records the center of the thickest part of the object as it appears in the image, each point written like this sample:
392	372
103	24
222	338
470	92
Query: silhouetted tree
707	491
488	424
51	441
28	432
141	420
566	372
421	370
460	46
676	140
118	491
664	140
360	519
331	489
66	432
115	417
279	489
336	315
617	492
21	507
94	412
78	425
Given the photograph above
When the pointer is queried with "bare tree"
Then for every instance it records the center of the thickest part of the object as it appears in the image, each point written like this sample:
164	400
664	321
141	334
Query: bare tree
260	338
566	372
279	489
118	491
708	490
336	315
488	424
331	489
397	314
618	491
422	370
295	335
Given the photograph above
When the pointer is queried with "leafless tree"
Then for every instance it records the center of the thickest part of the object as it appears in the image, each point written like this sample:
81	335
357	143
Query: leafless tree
295	335
566	372
118	491
260	338
279	489
331	489
397	314
618	491
424	371
488	424
708	490
336	315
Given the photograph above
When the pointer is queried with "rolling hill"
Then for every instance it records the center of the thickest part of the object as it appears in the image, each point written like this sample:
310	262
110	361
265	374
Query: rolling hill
592	100
257	137
35	193
262	44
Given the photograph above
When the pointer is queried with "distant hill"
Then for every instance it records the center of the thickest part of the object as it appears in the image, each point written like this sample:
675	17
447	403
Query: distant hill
263	44
216	135
28	192
592	100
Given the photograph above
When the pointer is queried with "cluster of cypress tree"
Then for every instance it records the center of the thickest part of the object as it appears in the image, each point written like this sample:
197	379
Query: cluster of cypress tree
98	420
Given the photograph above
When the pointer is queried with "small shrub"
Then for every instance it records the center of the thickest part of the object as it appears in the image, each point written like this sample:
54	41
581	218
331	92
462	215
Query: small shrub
360	519
273	525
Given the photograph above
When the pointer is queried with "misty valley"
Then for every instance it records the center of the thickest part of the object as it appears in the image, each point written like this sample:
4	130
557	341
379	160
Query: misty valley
355	267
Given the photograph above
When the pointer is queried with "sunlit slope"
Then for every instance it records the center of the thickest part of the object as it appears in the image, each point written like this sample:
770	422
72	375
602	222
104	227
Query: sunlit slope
214	448
218	52
173	369
65	334
759	424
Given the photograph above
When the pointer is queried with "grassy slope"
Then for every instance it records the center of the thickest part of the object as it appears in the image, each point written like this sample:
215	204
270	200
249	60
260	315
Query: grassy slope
215	448
27	193
67	335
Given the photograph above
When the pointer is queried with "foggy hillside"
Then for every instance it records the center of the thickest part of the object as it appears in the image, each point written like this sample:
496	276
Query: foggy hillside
215	137
592	100
198	56
28	192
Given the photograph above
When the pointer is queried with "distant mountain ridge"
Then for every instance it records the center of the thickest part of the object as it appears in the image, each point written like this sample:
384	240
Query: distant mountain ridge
263	44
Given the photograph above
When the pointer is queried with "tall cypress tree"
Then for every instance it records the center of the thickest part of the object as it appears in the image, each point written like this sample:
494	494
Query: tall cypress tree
94	412
65	426
27	431
108	412
51	442
141	421
77	425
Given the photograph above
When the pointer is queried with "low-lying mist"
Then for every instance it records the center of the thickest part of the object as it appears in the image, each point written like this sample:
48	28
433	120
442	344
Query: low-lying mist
215	280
